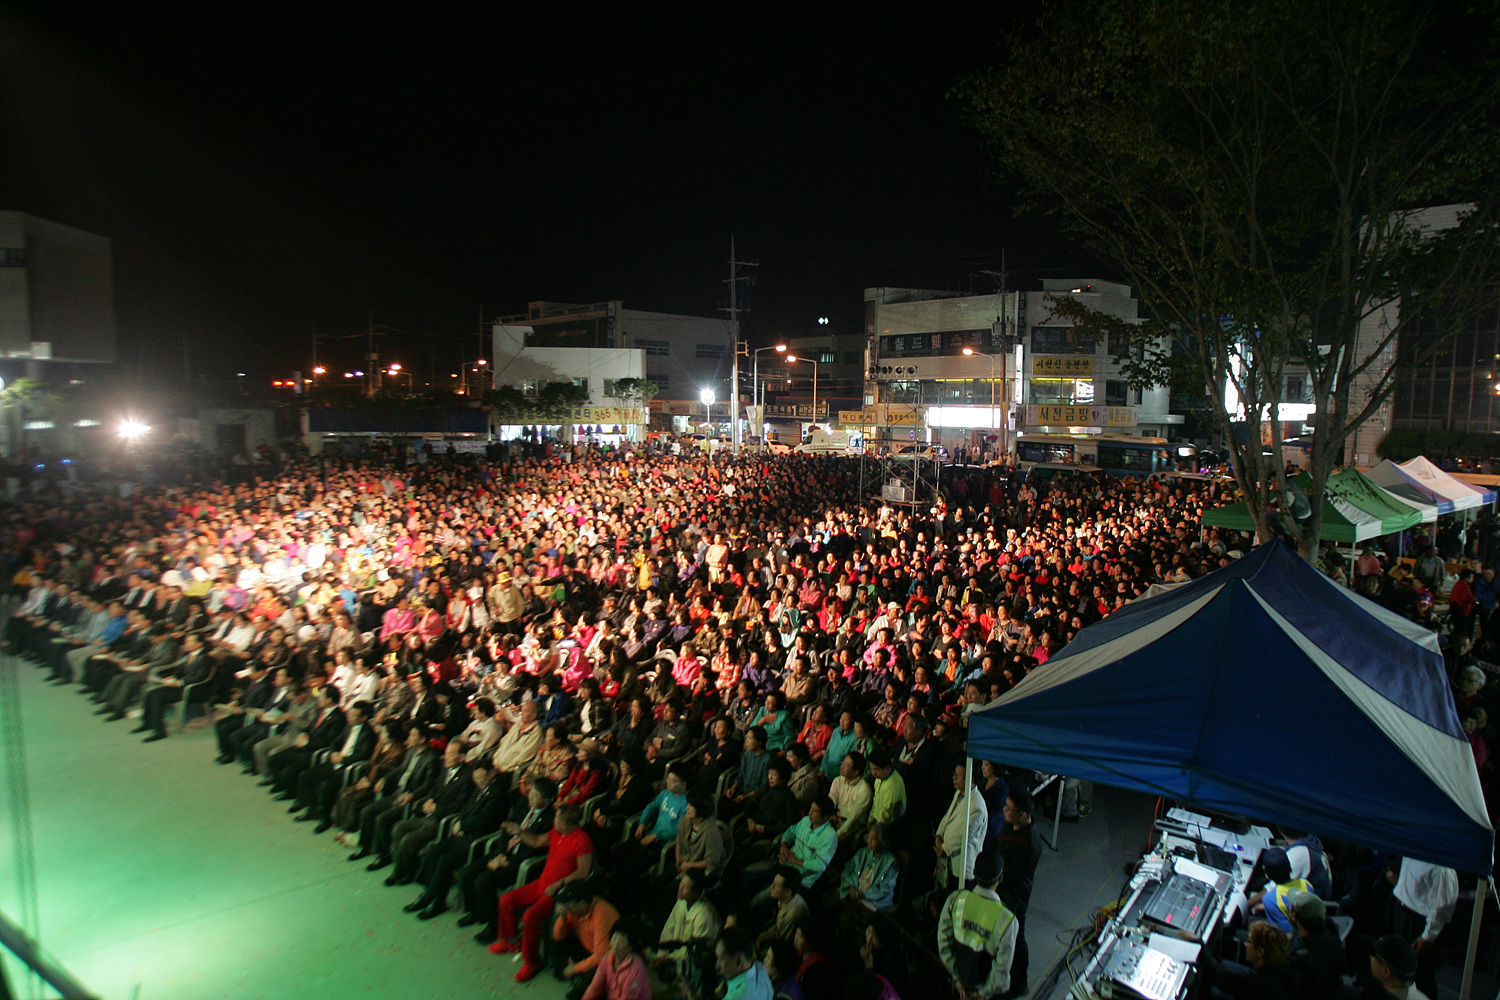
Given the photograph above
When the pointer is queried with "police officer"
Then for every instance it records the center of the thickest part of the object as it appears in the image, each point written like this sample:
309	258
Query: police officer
977	935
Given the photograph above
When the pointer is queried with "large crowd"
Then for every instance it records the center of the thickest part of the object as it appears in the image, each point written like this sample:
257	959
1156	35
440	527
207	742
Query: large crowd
731	692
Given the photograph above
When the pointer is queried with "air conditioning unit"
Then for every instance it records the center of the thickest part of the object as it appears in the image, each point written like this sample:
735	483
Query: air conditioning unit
896	494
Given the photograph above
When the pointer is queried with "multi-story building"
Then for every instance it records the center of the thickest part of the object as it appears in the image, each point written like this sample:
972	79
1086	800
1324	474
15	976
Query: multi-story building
979	369
683	355
56	292
1455	390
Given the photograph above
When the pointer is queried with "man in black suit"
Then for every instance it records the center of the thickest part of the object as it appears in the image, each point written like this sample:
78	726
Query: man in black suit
319	785
481	883
169	691
256	694
409	836
258	719
394	792
480	817
130	646
324	734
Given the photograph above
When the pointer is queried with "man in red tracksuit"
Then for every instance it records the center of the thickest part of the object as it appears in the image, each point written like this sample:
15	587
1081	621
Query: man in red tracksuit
570	858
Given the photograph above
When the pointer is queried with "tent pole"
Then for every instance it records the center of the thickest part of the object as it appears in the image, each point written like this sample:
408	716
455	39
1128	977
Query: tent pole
1481	891
968	804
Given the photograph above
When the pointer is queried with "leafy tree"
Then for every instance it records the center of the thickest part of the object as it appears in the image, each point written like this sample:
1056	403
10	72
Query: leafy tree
510	403
1255	170
635	391
555	399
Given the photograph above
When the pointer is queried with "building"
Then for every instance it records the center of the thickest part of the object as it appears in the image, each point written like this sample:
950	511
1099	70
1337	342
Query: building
683	355
56	292
1025	370
527	369
1454	391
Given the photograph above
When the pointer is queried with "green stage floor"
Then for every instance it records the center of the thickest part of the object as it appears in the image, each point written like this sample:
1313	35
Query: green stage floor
162	876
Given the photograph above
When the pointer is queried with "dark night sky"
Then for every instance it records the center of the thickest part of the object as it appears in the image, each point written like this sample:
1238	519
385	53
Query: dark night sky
261	177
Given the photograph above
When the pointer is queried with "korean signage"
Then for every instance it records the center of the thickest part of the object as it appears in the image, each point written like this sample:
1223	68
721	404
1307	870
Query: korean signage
1058	415
607	415
801	411
1062	366
882	414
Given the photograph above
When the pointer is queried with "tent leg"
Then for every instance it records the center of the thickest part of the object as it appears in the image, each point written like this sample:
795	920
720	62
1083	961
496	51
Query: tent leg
1062	786
1481	892
968	804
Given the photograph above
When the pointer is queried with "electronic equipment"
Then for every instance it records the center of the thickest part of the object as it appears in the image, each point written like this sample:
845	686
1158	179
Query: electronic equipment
1219	882
1217	858
1144	972
1182	903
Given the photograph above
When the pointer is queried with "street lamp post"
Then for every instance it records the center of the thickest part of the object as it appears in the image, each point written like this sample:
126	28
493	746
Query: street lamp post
707	396
995	419
814	361
760	415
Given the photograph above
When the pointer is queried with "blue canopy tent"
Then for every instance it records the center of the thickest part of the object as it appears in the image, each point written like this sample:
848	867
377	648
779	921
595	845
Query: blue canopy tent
1265	689
1261	689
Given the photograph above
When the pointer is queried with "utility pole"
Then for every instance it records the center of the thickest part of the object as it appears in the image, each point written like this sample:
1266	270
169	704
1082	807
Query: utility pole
371	362
1006	354
484	368
734	344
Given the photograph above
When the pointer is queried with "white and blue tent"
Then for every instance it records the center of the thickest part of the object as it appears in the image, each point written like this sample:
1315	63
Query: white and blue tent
1266	690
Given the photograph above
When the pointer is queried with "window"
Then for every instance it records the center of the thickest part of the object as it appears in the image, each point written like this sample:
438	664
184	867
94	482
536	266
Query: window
609	387
1119	343
1116	393
655	348
854	357
1296	389
662	381
582	383
1060	340
530	387
1062	391
827	358
707	352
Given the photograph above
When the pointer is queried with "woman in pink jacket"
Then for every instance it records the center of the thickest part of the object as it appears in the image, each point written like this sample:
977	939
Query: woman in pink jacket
623	974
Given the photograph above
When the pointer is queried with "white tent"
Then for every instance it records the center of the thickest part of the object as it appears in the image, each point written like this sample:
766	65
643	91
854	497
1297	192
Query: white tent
1394	480
1463	496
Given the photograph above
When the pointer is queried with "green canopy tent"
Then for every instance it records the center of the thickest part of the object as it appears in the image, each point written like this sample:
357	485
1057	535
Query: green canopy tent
1354	510
1342	521
1354	487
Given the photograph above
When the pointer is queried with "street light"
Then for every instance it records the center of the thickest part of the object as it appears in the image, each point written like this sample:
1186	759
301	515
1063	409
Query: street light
995	420
791	357
708	396
760	415
133	430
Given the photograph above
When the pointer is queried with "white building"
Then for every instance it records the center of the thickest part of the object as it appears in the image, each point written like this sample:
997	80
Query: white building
56	292
683	355
1041	374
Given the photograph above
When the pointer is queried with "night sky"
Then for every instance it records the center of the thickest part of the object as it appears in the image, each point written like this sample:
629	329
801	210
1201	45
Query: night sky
289	170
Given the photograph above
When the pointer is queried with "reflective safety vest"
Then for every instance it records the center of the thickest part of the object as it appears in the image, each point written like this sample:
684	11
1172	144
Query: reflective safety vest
980	923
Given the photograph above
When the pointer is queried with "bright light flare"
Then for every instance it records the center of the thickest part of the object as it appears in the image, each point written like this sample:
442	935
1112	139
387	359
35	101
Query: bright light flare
133	430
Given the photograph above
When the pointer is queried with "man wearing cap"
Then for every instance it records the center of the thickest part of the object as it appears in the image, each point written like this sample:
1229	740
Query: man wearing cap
1393	969
506	603
1317	952
977	935
580	935
1279	884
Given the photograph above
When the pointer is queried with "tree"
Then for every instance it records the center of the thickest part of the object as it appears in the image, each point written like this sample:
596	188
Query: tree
555	399
1256	170
635	391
